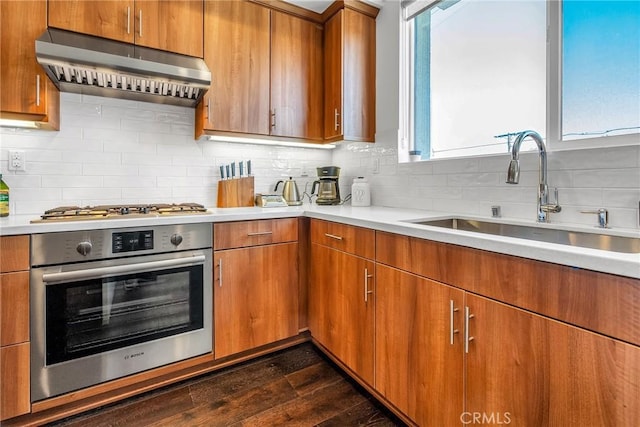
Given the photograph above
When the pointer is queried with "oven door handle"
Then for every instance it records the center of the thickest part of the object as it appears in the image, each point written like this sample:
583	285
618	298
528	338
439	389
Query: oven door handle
95	273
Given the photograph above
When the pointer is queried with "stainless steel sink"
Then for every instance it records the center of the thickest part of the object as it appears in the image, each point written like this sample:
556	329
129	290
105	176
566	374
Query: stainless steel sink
542	234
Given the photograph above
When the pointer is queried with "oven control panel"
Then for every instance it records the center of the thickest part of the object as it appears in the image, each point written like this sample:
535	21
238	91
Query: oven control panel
97	244
131	241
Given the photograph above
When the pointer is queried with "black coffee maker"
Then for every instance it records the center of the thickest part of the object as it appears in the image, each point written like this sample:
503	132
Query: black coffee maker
328	190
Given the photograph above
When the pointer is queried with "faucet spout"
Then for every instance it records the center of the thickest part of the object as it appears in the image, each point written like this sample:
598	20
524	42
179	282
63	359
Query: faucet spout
513	173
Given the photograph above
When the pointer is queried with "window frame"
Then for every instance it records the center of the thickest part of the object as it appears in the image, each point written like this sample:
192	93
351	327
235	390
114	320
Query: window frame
553	137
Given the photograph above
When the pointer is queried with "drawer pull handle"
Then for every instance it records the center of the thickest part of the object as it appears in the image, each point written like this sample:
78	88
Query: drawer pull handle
333	236
467	338
367	276
129	20
220	272
452	331
260	233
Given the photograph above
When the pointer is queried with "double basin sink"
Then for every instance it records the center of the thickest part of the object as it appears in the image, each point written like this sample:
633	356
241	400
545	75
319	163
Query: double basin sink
600	241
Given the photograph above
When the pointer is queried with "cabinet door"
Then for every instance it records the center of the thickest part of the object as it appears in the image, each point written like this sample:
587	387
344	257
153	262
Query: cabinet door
333	77
350	104
111	19
255	297
359	85
15	381
14	308
419	357
539	372
341	307
296	77
26	91
171	25
236	50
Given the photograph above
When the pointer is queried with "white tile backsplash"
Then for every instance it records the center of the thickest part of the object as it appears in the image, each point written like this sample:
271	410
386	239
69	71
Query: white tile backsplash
586	179
112	151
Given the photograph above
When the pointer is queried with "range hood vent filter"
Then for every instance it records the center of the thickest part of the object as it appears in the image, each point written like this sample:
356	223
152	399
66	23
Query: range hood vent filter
85	64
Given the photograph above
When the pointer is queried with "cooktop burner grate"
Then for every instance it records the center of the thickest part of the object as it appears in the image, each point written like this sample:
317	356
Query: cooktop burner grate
71	213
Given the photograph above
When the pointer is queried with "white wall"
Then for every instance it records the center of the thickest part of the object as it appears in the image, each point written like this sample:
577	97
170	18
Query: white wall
111	151
608	178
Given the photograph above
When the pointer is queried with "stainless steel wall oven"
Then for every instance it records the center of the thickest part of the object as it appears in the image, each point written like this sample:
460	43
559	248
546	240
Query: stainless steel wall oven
110	303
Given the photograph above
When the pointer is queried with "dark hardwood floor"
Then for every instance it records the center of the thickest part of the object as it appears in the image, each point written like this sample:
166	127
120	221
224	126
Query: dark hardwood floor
294	387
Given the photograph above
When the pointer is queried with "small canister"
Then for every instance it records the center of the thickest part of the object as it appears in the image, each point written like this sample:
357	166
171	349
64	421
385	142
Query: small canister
360	192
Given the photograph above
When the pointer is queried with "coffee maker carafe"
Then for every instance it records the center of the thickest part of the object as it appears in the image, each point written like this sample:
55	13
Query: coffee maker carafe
328	190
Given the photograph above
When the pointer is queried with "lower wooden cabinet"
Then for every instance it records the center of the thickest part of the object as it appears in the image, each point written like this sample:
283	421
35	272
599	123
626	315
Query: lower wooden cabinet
503	365
15	397
341	307
418	350
15	380
255	297
535	371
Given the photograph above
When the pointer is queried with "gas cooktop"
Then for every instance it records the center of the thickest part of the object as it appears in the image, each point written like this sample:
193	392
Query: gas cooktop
76	213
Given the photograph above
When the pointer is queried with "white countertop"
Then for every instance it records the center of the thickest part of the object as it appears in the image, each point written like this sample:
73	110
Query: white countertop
378	218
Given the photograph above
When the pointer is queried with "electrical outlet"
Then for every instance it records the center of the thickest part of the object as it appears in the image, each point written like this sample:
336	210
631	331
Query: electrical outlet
17	160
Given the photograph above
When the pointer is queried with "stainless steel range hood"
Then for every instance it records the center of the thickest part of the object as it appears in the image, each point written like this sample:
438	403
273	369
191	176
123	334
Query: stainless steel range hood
91	65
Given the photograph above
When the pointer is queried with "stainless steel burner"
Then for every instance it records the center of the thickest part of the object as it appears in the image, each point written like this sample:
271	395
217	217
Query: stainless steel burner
72	213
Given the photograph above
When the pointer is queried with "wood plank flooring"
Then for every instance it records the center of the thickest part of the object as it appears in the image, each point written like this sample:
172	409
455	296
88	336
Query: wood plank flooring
294	387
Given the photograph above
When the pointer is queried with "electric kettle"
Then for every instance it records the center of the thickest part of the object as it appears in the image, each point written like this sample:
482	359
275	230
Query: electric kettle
290	192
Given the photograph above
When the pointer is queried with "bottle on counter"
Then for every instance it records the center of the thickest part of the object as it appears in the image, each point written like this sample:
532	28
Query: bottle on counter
360	192
4	198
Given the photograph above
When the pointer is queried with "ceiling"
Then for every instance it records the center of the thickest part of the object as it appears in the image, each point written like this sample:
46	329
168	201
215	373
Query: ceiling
319	6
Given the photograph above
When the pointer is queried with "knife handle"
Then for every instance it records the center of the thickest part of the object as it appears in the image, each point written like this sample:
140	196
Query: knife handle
233	170
221	172
228	172
248	167
241	165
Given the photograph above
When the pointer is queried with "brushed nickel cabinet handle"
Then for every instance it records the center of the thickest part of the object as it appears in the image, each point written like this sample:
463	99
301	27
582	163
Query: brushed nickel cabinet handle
273	118
260	233
129	20
140	23
38	90
336	123
209	110
467	338
452	331
333	236
220	272
367	276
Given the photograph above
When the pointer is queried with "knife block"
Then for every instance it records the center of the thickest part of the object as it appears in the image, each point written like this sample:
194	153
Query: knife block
235	192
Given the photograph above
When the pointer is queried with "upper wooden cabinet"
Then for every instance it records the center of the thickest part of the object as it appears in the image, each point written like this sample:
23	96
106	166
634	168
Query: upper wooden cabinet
25	91
296	77
171	25
267	72
285	75
236	50
350	76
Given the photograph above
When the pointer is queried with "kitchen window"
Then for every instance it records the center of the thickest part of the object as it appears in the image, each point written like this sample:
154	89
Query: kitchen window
474	73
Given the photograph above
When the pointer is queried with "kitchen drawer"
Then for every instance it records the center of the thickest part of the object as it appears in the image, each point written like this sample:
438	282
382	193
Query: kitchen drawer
348	238
14	253
14	308
241	234
15	381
